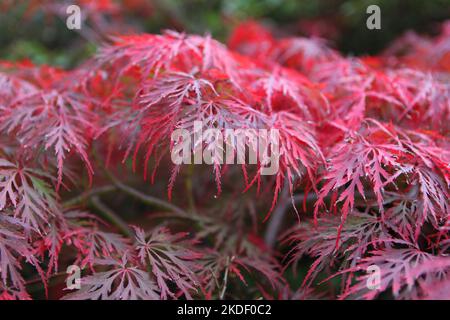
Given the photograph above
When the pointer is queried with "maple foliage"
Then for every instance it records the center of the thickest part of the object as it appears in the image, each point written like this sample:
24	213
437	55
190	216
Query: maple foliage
363	144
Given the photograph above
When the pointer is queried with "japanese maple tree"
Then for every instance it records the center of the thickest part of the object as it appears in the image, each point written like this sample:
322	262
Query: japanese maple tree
86	176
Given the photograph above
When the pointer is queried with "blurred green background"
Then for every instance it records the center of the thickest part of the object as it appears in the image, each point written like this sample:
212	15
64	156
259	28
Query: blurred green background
28	31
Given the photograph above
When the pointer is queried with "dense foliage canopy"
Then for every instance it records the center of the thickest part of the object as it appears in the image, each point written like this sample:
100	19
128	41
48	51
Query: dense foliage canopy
86	177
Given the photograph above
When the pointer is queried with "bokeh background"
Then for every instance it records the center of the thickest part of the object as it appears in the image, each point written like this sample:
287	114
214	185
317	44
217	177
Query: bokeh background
35	29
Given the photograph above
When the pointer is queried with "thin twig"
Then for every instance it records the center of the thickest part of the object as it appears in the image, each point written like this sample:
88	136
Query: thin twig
279	213
39	279
112	217
150	200
189	188
277	218
225	278
87	194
